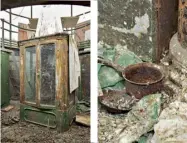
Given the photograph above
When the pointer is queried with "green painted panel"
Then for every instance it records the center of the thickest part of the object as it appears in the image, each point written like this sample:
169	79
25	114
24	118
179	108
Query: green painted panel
45	118
5	92
53	118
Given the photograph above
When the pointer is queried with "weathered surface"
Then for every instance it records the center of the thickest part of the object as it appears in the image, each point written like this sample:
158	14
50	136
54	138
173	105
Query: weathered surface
5	91
129	24
50	73
120	56
172	125
178	53
6	4
126	128
13	130
138	25
85	76
14	77
182	22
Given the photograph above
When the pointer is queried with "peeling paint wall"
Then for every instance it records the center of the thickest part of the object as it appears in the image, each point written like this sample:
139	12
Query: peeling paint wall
133	24
128	24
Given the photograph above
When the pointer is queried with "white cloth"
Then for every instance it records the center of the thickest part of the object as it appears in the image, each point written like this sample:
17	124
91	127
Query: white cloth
74	62
49	22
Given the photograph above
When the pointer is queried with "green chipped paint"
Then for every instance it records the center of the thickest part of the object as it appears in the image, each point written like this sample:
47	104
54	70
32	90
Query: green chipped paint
108	76
52	118
118	86
142	139
109	54
140	120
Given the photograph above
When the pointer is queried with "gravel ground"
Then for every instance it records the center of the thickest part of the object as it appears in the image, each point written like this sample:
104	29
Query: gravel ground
15	131
108	124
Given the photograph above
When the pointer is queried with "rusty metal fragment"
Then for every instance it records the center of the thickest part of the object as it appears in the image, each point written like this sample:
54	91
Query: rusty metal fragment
182	21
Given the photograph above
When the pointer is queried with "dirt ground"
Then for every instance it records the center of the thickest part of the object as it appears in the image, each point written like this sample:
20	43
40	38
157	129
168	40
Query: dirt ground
15	131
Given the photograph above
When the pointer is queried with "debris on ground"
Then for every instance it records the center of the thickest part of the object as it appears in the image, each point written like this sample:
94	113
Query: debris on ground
8	108
146	138
83	106
83	119
109	77
143	124
10	117
140	119
172	125
107	124
130	127
118	101
83	113
24	132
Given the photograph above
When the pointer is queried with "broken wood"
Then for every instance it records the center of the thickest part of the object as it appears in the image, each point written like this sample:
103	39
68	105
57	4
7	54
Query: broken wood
8	108
83	119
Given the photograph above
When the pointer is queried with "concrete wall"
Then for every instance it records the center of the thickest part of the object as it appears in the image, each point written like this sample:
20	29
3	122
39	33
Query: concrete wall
128	23
134	24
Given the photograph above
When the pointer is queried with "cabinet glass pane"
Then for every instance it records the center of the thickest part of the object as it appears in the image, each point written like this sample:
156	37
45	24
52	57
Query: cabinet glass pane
47	91
30	73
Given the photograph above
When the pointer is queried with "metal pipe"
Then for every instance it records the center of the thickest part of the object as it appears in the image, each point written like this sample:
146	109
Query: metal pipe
71	16
10	19
18	15
83	14
31	12
78	27
9	30
19	27
2	33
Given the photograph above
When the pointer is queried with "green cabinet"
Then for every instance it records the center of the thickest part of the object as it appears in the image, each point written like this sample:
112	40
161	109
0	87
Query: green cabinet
5	92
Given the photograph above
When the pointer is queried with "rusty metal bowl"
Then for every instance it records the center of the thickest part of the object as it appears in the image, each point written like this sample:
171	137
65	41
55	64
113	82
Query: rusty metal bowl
143	79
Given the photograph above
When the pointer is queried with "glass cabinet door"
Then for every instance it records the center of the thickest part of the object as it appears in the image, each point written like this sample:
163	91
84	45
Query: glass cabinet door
47	78
30	74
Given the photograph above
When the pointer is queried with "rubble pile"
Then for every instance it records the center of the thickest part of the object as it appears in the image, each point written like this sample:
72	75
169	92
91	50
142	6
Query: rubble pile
155	118
121	102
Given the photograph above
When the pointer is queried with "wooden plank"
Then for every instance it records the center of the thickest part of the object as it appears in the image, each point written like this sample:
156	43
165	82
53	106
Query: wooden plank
83	119
8	108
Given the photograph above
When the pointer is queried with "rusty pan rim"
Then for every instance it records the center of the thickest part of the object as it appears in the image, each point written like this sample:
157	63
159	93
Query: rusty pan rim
154	66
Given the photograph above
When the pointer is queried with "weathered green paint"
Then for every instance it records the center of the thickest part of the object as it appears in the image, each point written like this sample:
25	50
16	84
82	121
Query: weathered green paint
5	91
52	118
60	114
